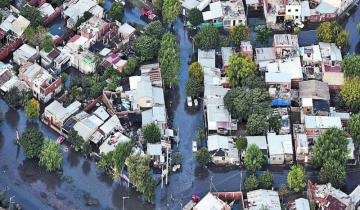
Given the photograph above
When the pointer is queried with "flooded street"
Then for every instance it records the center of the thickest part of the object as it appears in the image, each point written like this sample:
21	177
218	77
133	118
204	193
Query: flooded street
35	188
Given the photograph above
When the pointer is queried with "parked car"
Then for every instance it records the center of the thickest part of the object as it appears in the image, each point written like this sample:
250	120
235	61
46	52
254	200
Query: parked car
189	101
196	103
195	198
60	139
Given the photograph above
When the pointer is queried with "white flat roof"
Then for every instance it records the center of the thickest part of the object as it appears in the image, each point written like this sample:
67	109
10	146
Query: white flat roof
112	141
259	198
215	11
322	122
206	58
216	142
260	141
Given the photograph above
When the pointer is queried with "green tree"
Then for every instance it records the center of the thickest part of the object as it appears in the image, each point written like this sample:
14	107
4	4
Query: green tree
196	71
241	143
33	14
265	180
105	162
207	38
275	123
86	148
32	141
193	87
140	176
257	124
224	41
170	10
200	134
155	29
50	156
116	11
239	67
297	31
34	36
262	34
242	103
251	183
13	97
152	133
351	65
254	158
202	156
296	178
75	139
195	17
331	145
32	109
354	127
121	152
158	4
324	32
5	3
342	41
100	2
333	172
147	47
169	58
132	65
350	91
47	43
252	81
239	33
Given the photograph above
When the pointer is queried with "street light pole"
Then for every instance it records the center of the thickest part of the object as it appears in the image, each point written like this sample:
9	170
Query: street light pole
123	203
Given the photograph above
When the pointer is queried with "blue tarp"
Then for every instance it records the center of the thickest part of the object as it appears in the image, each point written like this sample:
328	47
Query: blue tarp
280	102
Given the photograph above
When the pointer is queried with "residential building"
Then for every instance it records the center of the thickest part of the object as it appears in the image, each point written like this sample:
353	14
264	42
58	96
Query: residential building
316	125
280	148
8	79
155	153
215	13
312	62
218	119
334	80
286	45
259	199
94	28
222	150
77	8
43	85
206	58
58	59
46	10
234	13
112	141
280	80
314	97
226	53
331	57
126	32
25	54
264	56
301	147
246	49
277	11
19	25
55	114
212	202
115	61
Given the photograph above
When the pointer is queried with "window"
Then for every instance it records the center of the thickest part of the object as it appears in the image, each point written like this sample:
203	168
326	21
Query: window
296	10
289	10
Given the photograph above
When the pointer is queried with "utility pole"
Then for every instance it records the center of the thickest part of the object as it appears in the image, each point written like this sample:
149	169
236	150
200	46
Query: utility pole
162	177
210	183
240	179
167	165
123	203
11	202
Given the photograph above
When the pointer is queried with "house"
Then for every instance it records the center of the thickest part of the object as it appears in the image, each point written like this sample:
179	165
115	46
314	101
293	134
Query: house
187	5
112	124
233	13
156	114
312	62
277	11
46	10
355	197
334	80
206	58
259	141
94	28
327	197
300	204
331	57
226	53
280	148
153	71
84	61
112	141
115	61
222	150
8	79
344	116
55	114
286	45
215	13
218	119
155	152
316	125
259	199
280	80
24	54
325	10
19	25
263	56
291	66
126	32
43	85
58	58
246	49
87	126
314	97
76	10
301	147
212	202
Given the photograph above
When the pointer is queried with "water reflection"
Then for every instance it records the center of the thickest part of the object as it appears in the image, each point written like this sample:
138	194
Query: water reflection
86	167
12	117
30	172
201	173
105	179
2	141
73	158
121	190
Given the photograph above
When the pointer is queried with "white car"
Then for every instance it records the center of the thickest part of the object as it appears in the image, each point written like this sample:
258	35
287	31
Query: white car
196	103
194	146
189	101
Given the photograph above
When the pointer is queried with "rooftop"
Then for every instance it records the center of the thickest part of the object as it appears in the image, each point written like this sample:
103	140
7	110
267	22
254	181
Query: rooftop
259	198
112	141
322	122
